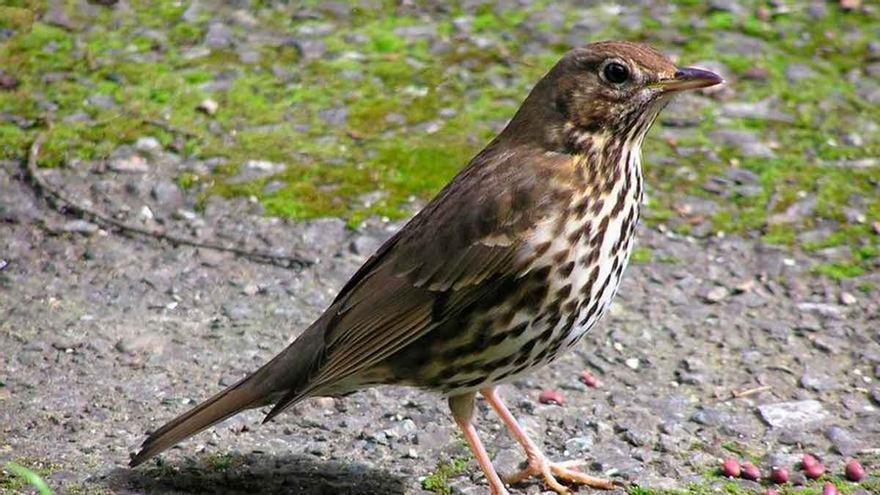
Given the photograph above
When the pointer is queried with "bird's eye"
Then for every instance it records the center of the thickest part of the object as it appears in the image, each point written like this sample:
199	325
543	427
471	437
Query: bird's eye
616	73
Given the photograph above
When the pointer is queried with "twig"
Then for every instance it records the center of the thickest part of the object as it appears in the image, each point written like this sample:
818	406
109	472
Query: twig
42	187
749	391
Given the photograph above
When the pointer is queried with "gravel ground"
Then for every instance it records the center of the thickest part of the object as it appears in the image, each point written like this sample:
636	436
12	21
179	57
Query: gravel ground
106	336
717	345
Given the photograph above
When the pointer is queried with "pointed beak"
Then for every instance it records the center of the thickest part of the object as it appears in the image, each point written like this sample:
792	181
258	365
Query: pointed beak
690	78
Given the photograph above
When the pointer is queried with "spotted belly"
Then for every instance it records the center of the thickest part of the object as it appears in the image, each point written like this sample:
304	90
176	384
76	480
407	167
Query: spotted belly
561	297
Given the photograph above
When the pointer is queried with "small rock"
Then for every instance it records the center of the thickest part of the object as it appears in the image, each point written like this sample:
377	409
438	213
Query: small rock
845	442
799	72
167	194
8	82
795	414
310	49
80	227
148	144
632	363
218	36
364	245
336	117
716	294
141	344
208	106
131	164
848	299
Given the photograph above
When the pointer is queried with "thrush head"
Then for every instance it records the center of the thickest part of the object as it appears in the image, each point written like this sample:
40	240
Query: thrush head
612	87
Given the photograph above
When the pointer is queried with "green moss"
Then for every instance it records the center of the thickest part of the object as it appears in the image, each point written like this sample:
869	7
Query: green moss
840	271
438	482
394	83
642	255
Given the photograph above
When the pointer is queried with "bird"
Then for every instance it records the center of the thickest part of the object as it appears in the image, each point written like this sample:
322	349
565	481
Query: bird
504	270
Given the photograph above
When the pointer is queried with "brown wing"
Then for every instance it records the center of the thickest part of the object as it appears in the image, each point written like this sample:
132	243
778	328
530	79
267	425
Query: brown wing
473	231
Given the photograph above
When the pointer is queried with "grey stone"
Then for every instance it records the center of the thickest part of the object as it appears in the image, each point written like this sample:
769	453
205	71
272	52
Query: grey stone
799	72
337	116
790	415
129	163
141	344
167	194
80	227
747	142
796	212
364	245
310	49
844	441
218	36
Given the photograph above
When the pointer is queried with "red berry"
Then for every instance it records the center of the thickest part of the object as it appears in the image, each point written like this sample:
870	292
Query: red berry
551	397
589	380
779	475
814	471
731	468
771	491
750	472
830	489
854	471
809	460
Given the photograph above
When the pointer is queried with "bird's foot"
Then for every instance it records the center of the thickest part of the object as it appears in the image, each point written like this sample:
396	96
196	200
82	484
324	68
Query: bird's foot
554	472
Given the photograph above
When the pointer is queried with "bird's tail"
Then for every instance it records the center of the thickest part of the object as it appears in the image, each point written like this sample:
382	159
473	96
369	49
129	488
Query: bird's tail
284	373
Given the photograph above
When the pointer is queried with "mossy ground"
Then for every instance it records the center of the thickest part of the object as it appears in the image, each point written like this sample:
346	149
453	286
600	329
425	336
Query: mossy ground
393	87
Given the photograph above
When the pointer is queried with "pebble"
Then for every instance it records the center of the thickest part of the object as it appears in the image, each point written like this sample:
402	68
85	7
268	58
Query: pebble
219	35
796	414
208	106
131	164
848	299
141	344
844	441
716	294
632	363
167	194
80	227
148	144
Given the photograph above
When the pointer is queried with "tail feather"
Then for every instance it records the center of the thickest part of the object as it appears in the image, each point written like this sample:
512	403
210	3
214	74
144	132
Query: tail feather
286	372
214	410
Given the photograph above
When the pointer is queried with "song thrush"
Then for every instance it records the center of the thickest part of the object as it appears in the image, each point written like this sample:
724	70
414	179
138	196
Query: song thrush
509	266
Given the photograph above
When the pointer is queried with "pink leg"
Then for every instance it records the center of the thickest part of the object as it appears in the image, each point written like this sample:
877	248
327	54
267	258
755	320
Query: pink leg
462	407
538	463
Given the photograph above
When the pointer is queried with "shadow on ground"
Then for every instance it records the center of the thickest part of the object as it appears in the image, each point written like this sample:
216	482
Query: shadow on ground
256	473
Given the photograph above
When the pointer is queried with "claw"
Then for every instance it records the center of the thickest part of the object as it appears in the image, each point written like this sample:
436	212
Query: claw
552	473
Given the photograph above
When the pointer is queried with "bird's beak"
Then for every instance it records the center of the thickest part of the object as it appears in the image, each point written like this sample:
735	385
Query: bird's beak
690	78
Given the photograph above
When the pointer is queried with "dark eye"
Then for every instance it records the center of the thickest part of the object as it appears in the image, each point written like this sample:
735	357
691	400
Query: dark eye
616	73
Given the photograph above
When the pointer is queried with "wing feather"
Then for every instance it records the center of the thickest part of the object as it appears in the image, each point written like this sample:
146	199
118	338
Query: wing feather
455	250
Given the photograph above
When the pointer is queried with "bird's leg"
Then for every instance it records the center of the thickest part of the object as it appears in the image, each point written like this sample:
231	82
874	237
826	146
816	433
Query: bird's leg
462	407
539	465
